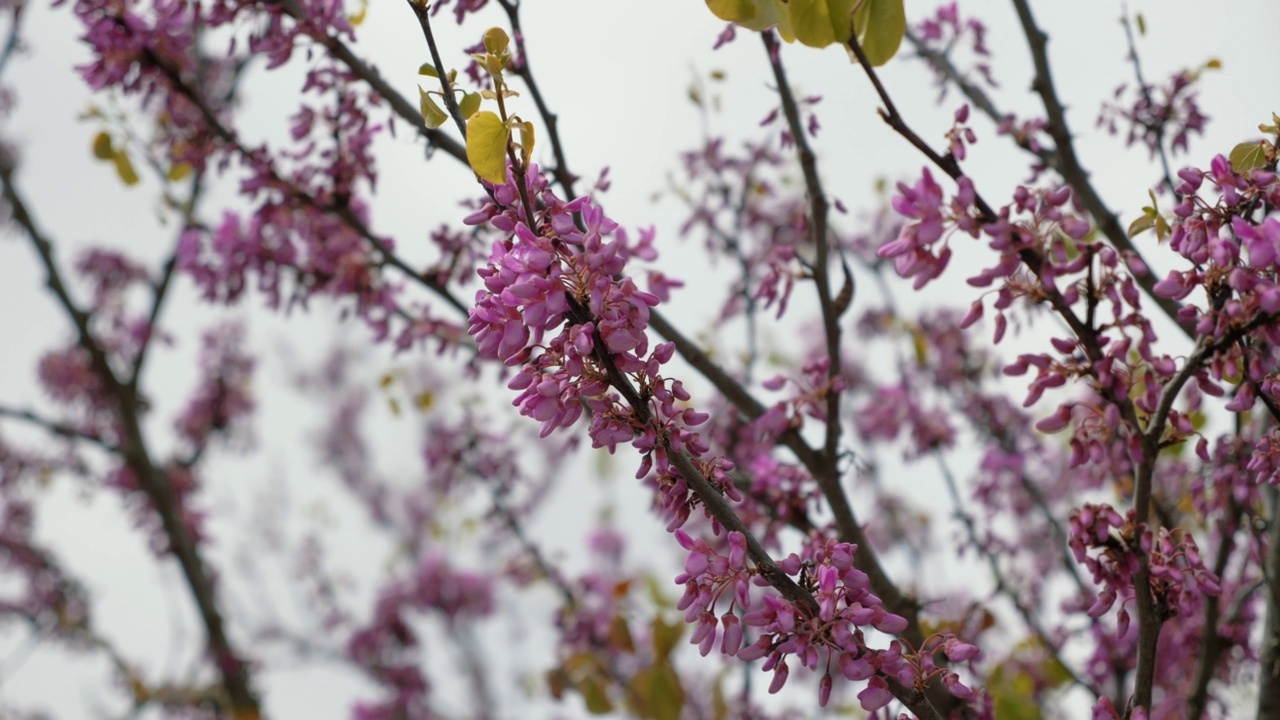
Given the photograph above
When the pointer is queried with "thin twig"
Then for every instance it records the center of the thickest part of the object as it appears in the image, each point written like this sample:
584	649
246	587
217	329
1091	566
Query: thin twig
151	479
342	211
1145	89
1002	585
564	178
1069	167
60	429
401	105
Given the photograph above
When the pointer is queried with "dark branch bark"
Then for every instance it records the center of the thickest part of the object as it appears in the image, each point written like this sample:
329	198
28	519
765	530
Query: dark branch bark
153	482
1269	650
1069	167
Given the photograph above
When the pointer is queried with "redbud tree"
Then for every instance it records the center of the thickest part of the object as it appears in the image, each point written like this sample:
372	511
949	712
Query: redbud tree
1049	491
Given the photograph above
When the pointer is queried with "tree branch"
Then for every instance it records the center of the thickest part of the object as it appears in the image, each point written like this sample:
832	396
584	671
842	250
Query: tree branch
1145	89
59	429
1069	167
151	480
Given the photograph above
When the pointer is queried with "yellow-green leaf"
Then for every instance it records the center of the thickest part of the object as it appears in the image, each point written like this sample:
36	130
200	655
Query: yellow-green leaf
719	708
1144	223
496	41
657	595
102	148
880	25
487	138
428	69
595	695
526	140
620	635
659	693
424	400
432	115
124	168
360	14
179	170
1247	156
812	22
665	637
469	105
1142	24
750	14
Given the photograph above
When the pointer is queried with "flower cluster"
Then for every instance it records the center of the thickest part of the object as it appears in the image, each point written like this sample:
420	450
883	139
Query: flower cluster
385	647
829	637
555	302
912	251
739	205
1177	573
36	588
947	30
223	397
1153	114
1216	238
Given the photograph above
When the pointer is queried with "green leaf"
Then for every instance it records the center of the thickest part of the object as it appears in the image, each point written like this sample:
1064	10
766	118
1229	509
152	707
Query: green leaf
124	168
487	138
1247	156
496	41
662	692
756	15
880	25
432	115
179	170
594	693
428	69
819	23
750	14
1142	224
1142	24
469	105
665	638
526	140
620	635
102	148
358	18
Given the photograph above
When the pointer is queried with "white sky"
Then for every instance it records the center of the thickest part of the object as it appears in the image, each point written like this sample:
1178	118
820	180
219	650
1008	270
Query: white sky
617	74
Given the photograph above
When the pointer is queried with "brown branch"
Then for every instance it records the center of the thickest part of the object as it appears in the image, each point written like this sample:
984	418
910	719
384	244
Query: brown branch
1069	167
60	429
1086	333
422	11
1212	645
1145	89
399	103
818	234
1269	650
151	480
343	212
1003	586
564	178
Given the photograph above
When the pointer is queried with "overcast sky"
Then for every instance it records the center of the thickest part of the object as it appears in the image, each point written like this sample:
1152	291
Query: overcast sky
618	76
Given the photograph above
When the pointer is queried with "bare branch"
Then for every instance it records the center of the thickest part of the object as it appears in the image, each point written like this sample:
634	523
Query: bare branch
151	479
1069	167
